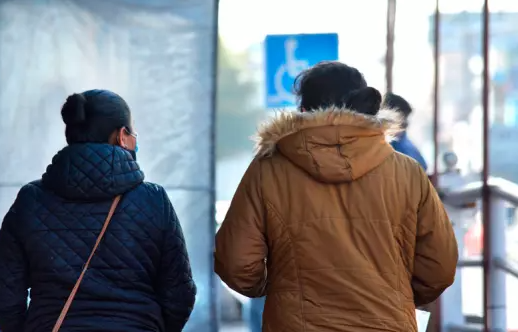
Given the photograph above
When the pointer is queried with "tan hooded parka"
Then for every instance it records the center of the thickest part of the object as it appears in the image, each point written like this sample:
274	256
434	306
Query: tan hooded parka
339	231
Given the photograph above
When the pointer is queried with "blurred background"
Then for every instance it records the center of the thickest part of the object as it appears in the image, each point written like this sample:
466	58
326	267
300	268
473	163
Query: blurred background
196	112
362	30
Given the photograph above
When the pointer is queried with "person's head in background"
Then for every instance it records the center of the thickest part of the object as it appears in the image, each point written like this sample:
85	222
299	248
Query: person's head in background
396	102
99	116
402	143
334	84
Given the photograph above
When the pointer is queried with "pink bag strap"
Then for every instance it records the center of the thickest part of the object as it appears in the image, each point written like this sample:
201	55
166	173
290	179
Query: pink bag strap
73	293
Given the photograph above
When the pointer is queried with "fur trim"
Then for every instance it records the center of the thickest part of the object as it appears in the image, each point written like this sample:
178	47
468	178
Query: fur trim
389	121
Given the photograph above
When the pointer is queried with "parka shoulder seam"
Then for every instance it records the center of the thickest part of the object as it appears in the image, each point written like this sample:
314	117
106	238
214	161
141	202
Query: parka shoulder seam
292	249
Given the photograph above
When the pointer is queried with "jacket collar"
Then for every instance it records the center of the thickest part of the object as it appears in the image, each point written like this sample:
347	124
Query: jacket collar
92	172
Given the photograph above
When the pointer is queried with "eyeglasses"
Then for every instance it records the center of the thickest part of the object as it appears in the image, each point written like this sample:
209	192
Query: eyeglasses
129	132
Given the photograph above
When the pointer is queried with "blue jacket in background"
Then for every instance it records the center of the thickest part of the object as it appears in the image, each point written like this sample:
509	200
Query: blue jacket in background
402	144
139	279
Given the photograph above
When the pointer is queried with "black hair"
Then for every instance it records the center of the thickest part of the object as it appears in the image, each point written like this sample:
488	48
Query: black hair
332	83
398	103
92	116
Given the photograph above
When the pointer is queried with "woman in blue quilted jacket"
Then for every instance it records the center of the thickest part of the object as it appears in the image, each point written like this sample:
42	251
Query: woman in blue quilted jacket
139	278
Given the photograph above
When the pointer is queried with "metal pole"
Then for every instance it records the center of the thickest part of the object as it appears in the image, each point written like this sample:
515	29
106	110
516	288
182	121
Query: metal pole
497	298
486	194
389	56
436	114
451	299
213	280
436	89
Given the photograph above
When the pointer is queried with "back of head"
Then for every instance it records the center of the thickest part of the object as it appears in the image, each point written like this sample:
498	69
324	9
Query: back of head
396	102
92	116
334	84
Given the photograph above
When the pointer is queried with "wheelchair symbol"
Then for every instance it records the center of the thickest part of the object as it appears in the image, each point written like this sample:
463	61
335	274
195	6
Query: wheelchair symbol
292	67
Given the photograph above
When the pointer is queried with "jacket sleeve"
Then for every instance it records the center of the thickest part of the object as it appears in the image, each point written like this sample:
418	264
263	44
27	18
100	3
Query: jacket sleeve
436	252
176	288
13	277
241	249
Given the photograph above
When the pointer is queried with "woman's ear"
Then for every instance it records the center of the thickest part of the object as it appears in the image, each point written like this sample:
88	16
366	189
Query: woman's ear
121	138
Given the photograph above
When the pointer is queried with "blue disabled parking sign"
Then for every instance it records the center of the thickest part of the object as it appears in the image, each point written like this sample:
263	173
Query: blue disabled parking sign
288	55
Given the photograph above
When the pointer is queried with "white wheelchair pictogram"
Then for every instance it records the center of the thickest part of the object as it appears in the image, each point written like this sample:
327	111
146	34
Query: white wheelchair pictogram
292	67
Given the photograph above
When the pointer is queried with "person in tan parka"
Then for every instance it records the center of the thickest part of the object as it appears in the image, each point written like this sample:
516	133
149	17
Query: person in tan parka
339	231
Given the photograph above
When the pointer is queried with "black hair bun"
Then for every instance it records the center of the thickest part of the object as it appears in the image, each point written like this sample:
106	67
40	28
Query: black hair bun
366	100
73	111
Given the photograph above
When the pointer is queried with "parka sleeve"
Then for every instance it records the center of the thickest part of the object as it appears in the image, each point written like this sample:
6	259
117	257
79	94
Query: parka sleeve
241	249
436	252
13	277
176	289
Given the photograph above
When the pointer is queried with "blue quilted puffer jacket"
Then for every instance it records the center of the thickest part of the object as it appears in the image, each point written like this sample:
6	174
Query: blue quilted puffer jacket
140	278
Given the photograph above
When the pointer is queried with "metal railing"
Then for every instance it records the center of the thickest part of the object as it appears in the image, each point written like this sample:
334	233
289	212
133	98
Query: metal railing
471	192
502	193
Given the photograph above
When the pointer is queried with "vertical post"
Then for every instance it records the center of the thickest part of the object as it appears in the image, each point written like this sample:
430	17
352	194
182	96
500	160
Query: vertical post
486	194
437	311
436	89
497	306
451	299
214	281
389	56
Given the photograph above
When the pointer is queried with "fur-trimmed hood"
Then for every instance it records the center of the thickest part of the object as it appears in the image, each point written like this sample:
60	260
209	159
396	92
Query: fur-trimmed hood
334	144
